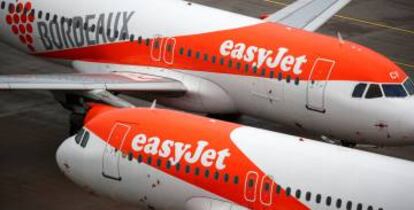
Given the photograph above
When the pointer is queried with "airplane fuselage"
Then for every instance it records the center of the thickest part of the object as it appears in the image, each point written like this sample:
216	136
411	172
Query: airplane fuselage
230	63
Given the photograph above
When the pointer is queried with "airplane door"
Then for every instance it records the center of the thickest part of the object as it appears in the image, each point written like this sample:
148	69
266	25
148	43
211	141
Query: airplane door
250	186
157	48
317	82
111	156
266	190
169	48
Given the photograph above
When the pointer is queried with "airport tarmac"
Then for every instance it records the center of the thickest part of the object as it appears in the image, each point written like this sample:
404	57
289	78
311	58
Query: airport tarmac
33	124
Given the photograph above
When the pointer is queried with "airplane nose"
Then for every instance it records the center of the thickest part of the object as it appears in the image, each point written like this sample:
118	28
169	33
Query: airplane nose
62	156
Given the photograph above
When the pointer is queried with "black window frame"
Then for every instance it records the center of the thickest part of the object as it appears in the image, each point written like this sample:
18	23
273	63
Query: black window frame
389	89
409	86
374	95
236	179
85	139
359	90
79	136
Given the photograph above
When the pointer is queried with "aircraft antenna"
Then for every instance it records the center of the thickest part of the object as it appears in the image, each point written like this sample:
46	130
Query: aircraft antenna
340	38
154	104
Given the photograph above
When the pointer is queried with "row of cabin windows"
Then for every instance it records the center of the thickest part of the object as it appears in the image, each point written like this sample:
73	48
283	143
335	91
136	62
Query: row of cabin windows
387	90
238	65
329	201
132	37
187	169
82	138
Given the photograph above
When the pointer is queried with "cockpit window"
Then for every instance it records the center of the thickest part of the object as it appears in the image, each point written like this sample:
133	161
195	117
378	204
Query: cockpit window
374	91
85	140
409	85
78	136
392	90
359	90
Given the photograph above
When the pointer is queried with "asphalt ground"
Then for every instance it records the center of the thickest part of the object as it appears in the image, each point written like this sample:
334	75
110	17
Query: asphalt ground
32	124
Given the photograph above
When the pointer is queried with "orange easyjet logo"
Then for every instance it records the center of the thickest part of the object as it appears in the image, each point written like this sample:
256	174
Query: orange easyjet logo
264	57
177	151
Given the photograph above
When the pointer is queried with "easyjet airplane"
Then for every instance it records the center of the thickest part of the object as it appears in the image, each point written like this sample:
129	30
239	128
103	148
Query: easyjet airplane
206	60
147	158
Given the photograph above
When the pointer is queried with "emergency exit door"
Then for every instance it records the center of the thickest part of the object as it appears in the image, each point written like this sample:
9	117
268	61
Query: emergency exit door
317	83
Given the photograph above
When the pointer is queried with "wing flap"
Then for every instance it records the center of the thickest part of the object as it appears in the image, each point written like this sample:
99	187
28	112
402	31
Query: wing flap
308	14
86	82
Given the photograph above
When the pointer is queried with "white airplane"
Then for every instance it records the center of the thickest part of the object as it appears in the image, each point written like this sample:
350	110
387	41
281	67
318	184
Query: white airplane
147	158
207	60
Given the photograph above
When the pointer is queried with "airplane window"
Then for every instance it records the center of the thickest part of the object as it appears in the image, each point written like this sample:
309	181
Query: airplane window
254	69
181	51
409	85
147	42
39	14
198	55
263	72
62	20
272	74
288	191
139	158
226	177
85	140
359	206
93	28
47	16
3	4
140	40
280	76
55	17
177	166
216	175
85	26
328	200
236	180
213	59
230	64
297	81
246	68
149	160
187	169
156	44
116	34
308	196
168	164
108	32
338	203
349	205
278	189
205	57
222	61
359	90
159	162
197	171
78	137
189	52
318	198
124	36
298	193
238	65
370	208
288	78
251	183
266	187
130	156
69	22
374	91
132	37
207	173
169	48
394	90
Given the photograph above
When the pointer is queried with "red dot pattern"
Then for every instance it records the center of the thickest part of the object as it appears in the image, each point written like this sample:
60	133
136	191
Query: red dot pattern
20	18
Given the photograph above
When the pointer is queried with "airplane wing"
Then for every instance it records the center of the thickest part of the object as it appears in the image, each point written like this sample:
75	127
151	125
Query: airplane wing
92	81
308	14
